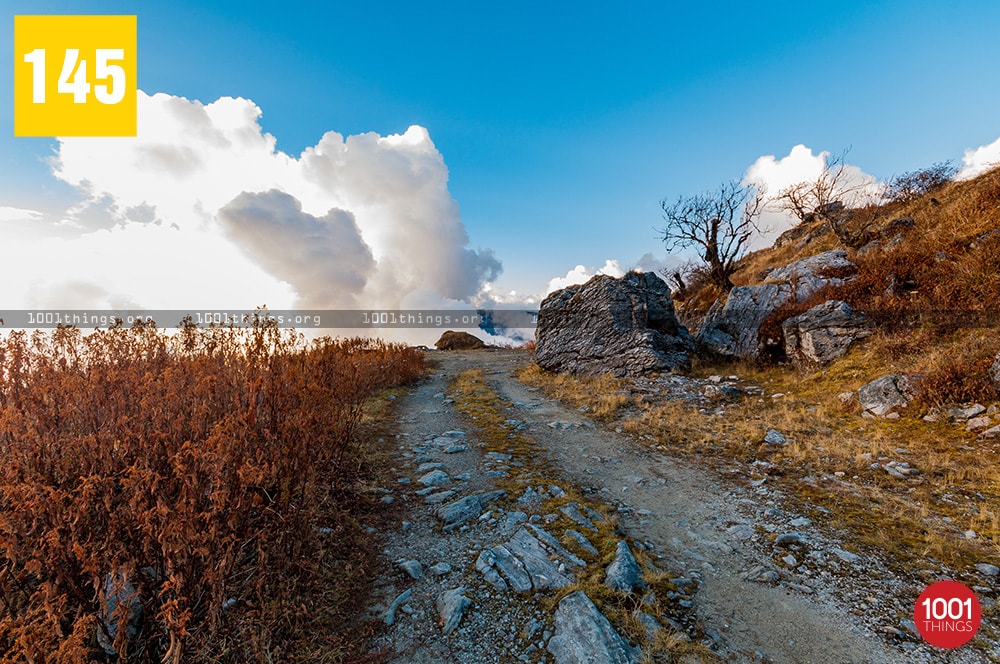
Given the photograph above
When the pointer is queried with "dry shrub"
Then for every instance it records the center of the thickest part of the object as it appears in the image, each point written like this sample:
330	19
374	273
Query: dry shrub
959	373
199	467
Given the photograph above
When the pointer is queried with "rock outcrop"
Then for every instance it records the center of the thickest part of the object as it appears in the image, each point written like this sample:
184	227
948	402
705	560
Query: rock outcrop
452	340
882	395
622	326
824	333
732	328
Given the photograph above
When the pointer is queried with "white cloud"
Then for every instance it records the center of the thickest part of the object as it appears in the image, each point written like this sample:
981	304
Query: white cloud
581	274
201	210
979	160
13	214
799	165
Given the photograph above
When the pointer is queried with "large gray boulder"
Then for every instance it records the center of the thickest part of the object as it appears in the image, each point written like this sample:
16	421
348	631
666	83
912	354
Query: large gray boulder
622	326
824	333
584	636
884	394
732	327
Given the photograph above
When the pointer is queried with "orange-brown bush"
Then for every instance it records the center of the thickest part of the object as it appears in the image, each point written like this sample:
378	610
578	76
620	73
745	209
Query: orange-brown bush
196	466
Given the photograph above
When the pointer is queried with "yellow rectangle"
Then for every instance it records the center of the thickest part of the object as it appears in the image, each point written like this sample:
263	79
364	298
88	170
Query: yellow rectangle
75	76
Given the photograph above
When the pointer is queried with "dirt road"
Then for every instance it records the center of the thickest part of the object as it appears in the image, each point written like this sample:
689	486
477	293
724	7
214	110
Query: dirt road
770	586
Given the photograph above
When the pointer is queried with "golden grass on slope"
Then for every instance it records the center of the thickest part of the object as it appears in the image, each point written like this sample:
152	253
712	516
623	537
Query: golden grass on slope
829	461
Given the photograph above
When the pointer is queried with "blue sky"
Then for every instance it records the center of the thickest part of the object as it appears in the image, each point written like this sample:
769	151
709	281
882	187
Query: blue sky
562	125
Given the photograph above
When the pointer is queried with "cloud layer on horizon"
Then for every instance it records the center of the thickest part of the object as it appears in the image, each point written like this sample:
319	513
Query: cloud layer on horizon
201	210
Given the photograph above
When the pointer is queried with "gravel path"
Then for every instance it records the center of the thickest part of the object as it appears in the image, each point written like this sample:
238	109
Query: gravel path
766	584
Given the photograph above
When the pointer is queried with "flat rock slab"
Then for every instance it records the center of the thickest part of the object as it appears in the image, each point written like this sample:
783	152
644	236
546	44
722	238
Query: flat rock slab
584	636
572	511
434	478
524	563
463	509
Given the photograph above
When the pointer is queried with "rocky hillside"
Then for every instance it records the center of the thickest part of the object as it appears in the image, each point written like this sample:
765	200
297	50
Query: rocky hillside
854	371
925	271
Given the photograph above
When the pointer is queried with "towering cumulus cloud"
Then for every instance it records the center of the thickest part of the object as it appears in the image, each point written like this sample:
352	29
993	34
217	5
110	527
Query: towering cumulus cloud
203	200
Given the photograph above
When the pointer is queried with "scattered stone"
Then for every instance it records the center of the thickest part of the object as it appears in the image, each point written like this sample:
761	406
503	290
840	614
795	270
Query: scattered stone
624	573
824	333
451	605
992	432
623	326
583	634
741	531
455	449
969	412
499	559
439	497
439	569
846	556
413	568
555	546
463	509
430	465
390	615
572	510
886	393
978	423
910	627
118	589
762	574
988	569
790	560
790	538
800	522
846	397
543	571
530	496
556	492
434	478
583	542
649	623
486	565
775	437
452	340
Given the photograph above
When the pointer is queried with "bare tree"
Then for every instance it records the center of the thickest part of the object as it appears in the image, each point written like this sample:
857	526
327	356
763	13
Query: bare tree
827	198
822	197
718	223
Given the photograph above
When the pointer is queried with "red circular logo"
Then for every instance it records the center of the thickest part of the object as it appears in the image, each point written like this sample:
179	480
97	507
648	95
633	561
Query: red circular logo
947	614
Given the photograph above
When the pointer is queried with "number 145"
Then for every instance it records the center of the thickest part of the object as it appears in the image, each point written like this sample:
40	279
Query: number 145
73	78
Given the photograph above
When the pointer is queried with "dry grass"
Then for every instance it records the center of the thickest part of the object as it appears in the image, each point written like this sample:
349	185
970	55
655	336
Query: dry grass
602	396
828	463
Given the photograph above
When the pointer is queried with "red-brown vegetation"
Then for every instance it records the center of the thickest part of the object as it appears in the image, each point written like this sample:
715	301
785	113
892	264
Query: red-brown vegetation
210	469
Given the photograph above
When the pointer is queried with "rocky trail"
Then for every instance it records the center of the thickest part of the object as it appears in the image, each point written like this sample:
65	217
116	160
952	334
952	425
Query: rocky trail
560	540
